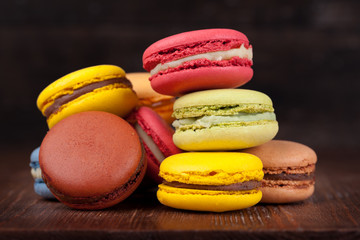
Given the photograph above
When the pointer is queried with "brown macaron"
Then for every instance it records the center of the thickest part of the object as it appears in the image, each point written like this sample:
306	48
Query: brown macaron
92	160
289	169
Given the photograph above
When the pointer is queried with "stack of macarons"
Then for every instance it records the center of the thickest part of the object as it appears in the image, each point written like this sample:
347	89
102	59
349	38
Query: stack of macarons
110	130
102	137
205	69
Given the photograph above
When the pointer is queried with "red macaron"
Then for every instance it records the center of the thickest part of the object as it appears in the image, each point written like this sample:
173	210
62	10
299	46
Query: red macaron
156	135
92	160
199	60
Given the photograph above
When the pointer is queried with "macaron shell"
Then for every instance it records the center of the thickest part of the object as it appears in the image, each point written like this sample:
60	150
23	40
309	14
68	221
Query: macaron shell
142	87
165	110
222	97
152	170
202	200
42	190
161	133
211	168
89	155
162	104
285	194
191	37
34	156
119	101
281	153
190	80
226	138
78	78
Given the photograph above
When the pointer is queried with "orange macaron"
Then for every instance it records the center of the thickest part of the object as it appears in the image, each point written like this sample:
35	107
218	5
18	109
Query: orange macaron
162	104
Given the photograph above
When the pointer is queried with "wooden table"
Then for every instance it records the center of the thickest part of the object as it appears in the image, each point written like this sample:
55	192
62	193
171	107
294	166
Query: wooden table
333	212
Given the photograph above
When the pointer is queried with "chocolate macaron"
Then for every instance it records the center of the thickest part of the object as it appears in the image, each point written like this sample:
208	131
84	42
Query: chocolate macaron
289	169
92	160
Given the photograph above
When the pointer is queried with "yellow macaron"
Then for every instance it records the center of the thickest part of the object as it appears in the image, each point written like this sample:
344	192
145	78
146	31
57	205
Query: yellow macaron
210	181
97	88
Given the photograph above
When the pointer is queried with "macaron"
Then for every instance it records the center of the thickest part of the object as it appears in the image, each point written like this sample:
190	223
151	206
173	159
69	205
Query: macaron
156	136
223	119
40	187
210	181
162	104
97	88
289	169
199	60
92	160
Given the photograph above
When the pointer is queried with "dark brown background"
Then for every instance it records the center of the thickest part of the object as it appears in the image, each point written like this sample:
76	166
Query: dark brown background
306	56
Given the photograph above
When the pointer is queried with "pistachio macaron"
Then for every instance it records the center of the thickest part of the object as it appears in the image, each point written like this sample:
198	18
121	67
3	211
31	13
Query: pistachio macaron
98	88
223	119
210	181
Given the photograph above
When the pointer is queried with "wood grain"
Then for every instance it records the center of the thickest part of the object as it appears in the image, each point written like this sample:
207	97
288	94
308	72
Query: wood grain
333	212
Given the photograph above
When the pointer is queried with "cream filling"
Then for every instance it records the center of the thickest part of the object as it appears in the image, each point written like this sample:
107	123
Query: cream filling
36	173
241	52
150	143
208	121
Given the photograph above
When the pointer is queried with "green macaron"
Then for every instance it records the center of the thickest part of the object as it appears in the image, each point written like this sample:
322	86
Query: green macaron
223	119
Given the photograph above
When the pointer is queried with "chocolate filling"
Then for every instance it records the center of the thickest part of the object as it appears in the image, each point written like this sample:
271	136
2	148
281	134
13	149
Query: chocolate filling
294	177
242	186
81	91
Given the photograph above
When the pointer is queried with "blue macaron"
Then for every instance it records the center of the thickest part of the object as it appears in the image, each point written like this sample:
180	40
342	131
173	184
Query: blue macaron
39	186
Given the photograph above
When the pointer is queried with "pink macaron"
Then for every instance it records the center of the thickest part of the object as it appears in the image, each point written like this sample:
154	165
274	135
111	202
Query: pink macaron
156	136
199	60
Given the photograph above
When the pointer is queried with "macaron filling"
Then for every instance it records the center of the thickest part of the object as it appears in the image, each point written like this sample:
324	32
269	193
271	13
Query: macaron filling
111	196
241	186
220	110
198	117
242	53
150	144
151	60
210	121
75	93
300	177
36	173
294	177
203	63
